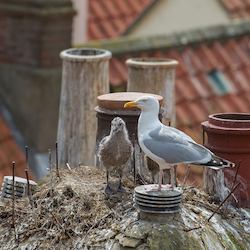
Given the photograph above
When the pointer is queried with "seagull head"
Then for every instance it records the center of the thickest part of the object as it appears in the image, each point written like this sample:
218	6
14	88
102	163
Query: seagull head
145	103
117	125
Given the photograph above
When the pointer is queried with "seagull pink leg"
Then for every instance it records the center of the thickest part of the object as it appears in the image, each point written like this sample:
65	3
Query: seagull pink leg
171	179
159	186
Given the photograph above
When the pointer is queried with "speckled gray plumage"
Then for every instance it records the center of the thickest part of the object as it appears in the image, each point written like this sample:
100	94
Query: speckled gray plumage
115	149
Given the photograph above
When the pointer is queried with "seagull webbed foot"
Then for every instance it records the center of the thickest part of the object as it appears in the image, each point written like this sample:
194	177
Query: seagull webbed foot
148	190
122	190
168	186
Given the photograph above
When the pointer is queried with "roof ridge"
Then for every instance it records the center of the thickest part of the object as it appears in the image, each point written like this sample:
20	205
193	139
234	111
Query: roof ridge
128	44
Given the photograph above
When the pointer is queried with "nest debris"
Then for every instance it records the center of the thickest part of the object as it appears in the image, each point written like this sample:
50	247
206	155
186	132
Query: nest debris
78	205
77	209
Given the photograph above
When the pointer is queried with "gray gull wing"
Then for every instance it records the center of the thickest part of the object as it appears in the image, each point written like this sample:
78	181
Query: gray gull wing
174	146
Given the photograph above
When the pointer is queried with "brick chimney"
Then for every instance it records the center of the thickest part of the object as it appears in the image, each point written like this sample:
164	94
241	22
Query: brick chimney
32	34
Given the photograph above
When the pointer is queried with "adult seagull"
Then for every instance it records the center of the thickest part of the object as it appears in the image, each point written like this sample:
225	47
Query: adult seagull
169	146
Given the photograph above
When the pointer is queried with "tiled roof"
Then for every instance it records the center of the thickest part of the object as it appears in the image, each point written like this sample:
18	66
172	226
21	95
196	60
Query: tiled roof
222	52
10	152
237	8
196	97
112	18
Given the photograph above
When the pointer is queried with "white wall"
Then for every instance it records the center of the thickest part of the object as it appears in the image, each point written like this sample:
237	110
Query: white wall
79	34
179	15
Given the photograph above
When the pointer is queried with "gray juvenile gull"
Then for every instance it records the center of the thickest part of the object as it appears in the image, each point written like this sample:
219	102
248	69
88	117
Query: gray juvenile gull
115	150
169	146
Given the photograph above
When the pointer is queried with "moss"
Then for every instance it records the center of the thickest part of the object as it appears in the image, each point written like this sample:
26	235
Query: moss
169	237
238	245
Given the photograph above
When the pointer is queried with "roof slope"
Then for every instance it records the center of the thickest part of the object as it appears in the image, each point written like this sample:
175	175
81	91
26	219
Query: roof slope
112	18
10	152
237	8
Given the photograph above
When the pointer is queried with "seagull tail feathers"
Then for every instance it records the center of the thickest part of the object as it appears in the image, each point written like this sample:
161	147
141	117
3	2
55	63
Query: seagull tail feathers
217	163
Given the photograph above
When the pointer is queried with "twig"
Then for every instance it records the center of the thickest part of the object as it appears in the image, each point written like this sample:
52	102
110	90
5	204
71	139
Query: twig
57	168
67	164
224	201
191	229
50	169
58	223
185	178
31	231
30	197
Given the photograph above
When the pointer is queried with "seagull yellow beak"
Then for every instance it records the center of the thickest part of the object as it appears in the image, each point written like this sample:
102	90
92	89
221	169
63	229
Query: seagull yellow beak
130	104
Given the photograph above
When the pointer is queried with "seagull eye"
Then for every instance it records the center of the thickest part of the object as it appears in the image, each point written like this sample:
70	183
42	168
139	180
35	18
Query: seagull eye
144	100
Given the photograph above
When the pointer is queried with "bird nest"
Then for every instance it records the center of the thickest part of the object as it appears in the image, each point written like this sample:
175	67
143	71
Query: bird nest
74	212
74	207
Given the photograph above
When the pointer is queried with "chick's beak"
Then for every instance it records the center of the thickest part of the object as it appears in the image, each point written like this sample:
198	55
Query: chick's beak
130	104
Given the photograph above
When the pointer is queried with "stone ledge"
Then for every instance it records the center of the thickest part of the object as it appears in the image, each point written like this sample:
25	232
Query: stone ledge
38	9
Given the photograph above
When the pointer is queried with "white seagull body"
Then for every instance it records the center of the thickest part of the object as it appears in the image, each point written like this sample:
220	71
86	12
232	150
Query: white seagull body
169	146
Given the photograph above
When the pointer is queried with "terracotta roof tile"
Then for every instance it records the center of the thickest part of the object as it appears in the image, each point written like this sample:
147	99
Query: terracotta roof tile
236	54
179	95
111	7
5	133
111	18
207	89
192	62
187	88
207	58
198	111
234	103
181	70
222	56
238	80
118	72
237	8
245	45
10	152
94	31
108	28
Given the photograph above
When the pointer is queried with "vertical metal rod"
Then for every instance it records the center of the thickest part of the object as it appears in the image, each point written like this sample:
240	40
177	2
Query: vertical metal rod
27	158
134	160
13	195
57	168
50	169
28	183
